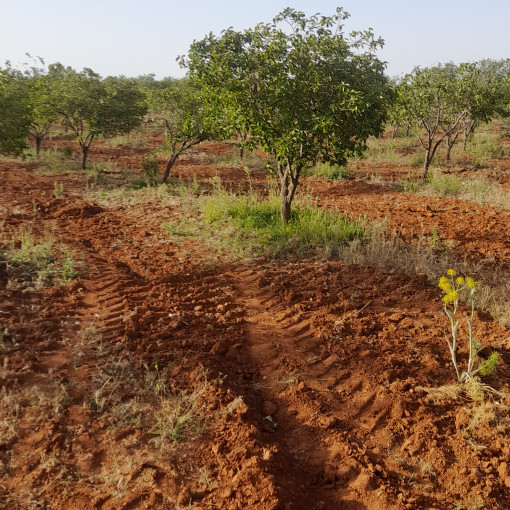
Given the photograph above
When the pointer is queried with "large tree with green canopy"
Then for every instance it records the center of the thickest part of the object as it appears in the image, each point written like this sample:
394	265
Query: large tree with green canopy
303	89
92	107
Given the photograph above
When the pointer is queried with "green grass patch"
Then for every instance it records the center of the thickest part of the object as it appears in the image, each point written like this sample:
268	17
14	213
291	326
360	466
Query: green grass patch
483	148
479	189
330	171
42	262
251	226
444	185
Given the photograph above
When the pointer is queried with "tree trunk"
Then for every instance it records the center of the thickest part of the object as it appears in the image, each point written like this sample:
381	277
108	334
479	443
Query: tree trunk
284	207
448	151
426	164
38	140
429	156
450	142
243	135
84	154
288	184
169	165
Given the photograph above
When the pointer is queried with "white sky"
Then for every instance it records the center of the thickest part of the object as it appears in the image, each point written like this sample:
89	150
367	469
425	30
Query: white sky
140	37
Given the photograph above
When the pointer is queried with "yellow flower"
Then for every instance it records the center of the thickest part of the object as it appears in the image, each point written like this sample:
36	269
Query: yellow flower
444	284
451	272
460	280
470	283
450	297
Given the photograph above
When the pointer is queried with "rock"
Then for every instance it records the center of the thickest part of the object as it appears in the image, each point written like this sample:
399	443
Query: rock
503	470
396	317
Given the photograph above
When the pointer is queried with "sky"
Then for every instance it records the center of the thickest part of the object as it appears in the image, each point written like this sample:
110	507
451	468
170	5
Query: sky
133	38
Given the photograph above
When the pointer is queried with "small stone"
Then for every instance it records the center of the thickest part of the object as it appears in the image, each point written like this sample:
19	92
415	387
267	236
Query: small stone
226	493
396	317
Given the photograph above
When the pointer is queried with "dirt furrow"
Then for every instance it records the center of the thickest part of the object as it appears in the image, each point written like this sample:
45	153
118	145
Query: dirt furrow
304	405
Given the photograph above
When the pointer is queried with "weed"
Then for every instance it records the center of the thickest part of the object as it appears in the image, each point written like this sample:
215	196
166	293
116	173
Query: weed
134	139
436	242
53	161
42	262
482	149
232	158
67	271
9	415
409	184
453	287
180	413
470	502
92	336
112	379
204	478
426	468
58	189
185	228
150	165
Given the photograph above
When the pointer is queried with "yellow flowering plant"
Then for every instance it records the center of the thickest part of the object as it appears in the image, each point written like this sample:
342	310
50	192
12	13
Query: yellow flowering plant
454	287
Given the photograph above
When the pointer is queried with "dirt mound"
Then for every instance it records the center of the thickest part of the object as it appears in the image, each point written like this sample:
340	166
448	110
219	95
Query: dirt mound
58	208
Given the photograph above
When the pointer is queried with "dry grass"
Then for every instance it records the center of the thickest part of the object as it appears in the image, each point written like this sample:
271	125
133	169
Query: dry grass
378	249
441	395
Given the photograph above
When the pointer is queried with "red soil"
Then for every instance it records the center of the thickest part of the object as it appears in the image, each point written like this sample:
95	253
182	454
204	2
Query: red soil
314	368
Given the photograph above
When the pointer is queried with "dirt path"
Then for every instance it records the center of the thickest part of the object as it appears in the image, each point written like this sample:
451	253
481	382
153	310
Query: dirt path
293	383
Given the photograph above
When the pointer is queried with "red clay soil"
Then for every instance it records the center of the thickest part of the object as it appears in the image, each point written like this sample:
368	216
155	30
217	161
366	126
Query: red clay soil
310	373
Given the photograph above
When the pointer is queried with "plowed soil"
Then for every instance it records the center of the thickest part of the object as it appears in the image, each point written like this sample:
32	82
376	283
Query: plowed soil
301	384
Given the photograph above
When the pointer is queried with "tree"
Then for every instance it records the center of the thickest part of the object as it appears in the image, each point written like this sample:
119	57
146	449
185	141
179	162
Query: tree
305	95
92	107
489	94
431	104
15	111
441	102
176	106
43	113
